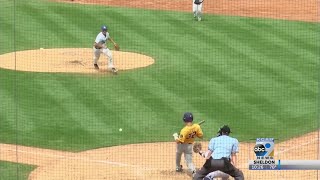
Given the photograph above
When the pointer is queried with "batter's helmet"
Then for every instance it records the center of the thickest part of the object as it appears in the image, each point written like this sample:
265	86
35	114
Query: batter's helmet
187	117
104	28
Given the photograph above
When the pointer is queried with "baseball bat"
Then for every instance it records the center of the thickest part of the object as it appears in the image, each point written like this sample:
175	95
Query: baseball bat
201	122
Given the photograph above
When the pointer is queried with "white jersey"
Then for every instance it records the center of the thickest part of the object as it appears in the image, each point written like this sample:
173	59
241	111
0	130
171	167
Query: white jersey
102	38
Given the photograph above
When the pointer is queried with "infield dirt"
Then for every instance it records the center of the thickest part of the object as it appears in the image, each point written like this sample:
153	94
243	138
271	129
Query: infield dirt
70	60
299	10
150	161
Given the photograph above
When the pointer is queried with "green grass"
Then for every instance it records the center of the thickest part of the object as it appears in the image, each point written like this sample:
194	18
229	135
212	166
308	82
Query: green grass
260	76
14	171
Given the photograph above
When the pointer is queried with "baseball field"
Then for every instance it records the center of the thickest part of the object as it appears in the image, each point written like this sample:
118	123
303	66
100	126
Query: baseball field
251	64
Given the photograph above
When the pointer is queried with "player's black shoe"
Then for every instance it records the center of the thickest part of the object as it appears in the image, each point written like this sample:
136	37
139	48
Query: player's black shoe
114	70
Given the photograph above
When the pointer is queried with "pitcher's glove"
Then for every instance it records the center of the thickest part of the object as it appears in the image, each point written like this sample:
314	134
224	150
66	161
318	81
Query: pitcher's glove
116	47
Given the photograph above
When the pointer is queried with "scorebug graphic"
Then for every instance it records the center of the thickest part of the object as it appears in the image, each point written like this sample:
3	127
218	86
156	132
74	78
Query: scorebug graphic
264	147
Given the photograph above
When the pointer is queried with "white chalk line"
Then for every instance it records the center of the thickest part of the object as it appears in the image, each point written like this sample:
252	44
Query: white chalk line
295	147
124	164
79	158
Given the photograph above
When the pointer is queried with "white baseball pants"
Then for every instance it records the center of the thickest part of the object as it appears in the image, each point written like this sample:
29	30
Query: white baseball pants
106	52
197	9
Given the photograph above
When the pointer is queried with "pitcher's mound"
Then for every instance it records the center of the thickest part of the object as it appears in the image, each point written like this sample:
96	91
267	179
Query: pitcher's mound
70	60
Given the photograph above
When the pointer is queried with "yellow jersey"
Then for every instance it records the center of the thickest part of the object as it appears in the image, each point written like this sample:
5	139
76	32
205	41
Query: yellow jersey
189	133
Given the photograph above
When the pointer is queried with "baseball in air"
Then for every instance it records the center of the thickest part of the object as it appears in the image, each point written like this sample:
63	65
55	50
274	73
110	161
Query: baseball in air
41	48
120	129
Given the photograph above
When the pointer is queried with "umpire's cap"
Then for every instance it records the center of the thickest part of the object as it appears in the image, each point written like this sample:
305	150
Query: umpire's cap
188	117
225	129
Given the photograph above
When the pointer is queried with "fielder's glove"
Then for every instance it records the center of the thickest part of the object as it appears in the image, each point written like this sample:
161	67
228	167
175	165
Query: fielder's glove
197	147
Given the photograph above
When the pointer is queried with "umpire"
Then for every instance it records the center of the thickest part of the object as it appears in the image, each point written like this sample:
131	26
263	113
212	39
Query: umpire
221	156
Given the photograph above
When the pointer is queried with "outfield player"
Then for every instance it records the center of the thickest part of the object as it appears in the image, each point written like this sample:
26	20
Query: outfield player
101	47
185	142
197	9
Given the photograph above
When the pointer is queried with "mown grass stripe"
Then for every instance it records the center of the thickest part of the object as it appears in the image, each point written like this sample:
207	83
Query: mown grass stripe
216	69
